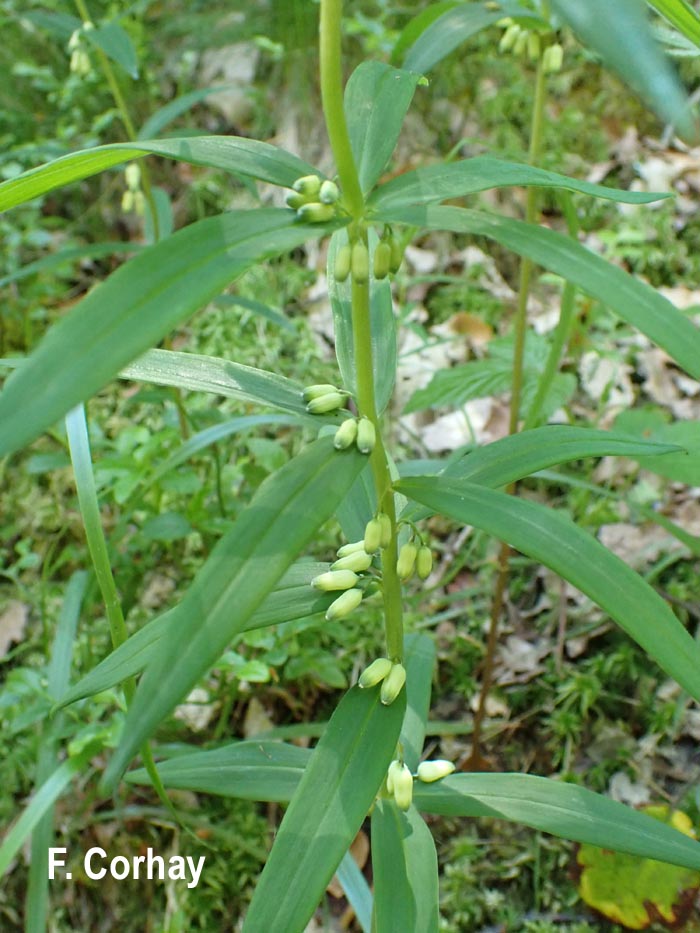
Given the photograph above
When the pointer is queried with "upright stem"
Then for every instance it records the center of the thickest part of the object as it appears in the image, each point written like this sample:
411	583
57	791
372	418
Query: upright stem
334	113
476	760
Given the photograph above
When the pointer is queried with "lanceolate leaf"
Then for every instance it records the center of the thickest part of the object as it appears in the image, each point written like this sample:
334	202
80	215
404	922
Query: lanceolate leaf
555	541
377	97
133	309
620	34
356	890
292	598
447	180
175	108
244	566
630	298
116	44
560	809
64	256
455	26
231	153
681	15
405	868
261	770
419	661
337	789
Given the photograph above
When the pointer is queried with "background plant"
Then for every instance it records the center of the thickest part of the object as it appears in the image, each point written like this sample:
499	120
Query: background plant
277	230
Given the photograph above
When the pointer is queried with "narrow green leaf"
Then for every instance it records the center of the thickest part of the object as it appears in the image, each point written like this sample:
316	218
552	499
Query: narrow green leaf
244	566
233	154
257	307
382	323
447	180
655	424
260	770
40	803
417	26
87	251
175	108
116	44
555	541
620	33
419	661
337	789
446	33
133	309
560	809
356	890
196	373
377	98
405	868
631	299
292	598
681	15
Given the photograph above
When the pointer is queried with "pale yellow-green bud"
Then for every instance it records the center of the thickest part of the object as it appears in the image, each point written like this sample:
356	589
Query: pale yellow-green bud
132	174
382	259
359	262
509	38
345	435
316	213
128	201
344	605
295	200
366	436
341	268
375	673
396	255
139	203
406	561
394	770
316	391
74	41
393	684
358	562
520	44
553	59
334	580
403	788
373	535
328	193
326	403
533	46
385	522
80	62
350	548
429	771
308	185
424	562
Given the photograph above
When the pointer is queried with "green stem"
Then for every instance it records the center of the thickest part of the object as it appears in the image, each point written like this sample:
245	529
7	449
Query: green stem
334	113
123	109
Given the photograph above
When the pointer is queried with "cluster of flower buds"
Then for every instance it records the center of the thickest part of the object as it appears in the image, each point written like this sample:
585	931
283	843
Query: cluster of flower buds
345	576
414	558
360	431
399	780
321	399
521	41
390	674
314	200
80	63
353	259
133	198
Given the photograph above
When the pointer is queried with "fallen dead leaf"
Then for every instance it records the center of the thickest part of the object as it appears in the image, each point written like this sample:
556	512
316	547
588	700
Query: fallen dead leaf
13	622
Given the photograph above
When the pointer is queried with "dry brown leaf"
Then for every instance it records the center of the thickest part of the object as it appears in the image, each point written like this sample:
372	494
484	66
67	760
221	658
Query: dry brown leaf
13	622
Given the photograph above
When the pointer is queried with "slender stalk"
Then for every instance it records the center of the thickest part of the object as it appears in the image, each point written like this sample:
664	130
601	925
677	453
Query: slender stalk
476	760
334	113
123	109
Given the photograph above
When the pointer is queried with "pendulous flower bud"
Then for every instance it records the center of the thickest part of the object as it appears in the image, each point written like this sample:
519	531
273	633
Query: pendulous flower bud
509	38
308	186
350	548
359	263
325	403
328	193
334	580
382	259
373	535
406	561
358	562
424	562
316	391
366	436
375	673
393	684
553	59
429	771
533	46
344	605
394	770
316	213
403	788
341	267
385	522
346	434
294	200
396	255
